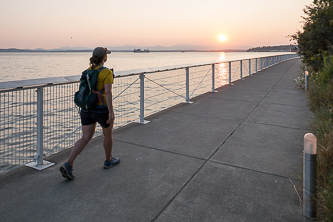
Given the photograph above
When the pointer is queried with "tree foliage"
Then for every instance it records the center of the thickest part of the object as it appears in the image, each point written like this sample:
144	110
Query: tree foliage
316	48
316	40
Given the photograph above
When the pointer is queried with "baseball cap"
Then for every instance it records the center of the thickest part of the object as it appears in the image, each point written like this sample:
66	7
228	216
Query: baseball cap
100	52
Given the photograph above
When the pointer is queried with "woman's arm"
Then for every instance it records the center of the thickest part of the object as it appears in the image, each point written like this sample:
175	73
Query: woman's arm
108	98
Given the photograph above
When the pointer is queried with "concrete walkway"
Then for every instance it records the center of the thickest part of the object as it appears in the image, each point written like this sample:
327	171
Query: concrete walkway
235	155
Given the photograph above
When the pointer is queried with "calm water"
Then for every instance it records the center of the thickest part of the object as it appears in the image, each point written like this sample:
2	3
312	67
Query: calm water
22	66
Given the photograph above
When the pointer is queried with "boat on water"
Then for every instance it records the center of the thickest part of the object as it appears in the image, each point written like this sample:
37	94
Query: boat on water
140	50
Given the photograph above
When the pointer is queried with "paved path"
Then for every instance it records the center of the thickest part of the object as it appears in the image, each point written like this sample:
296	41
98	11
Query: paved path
235	155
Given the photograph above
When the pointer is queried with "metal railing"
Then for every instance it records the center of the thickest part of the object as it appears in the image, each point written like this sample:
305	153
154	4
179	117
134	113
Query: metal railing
40	120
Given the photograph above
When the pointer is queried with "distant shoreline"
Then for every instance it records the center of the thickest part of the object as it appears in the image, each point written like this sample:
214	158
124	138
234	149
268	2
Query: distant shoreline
281	48
44	50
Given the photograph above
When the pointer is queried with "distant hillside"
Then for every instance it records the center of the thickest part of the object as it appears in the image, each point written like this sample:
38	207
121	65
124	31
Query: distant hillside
281	48
43	50
16	50
38	50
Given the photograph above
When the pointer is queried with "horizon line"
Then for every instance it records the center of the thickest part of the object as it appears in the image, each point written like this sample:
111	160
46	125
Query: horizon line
86	49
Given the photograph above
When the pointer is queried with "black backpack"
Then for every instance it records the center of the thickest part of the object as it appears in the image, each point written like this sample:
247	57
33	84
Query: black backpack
86	98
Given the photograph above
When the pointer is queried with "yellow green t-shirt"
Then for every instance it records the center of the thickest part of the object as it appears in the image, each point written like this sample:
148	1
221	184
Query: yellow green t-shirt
104	77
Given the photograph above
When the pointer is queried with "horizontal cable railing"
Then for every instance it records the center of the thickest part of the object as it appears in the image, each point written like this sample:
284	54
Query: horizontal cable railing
38	120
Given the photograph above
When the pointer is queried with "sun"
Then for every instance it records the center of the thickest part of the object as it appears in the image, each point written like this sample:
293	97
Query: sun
222	37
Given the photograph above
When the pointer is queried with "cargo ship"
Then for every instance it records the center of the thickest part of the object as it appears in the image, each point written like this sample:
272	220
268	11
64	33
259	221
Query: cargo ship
141	51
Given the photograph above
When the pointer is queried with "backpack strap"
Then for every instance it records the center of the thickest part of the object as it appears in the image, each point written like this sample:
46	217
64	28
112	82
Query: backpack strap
99	70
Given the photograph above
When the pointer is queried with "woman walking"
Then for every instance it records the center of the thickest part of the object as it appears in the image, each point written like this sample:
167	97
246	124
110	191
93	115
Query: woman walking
103	114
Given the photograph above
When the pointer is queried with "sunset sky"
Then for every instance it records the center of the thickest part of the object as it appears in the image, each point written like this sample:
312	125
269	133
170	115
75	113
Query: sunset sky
82	23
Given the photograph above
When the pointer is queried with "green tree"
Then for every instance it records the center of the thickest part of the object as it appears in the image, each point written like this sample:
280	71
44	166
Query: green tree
316	48
316	40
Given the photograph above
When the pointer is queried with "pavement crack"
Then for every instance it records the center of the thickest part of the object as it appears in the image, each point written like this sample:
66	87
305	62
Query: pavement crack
284	127
257	171
158	149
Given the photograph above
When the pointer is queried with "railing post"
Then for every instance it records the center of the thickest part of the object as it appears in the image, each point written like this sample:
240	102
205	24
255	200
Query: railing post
241	69
270	61
249	67
187	85
229	73
142	99
256	65
213	78
39	155
39	163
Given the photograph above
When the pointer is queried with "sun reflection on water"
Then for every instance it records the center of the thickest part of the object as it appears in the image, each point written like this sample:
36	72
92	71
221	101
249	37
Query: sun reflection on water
222	71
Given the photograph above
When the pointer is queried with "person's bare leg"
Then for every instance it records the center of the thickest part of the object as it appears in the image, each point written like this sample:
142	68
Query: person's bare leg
87	133
108	142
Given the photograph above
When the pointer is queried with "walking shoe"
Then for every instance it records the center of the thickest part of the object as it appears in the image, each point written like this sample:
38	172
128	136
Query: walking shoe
67	171
114	161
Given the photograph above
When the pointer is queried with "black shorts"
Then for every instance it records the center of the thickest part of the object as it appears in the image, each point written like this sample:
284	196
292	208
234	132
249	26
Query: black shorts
100	115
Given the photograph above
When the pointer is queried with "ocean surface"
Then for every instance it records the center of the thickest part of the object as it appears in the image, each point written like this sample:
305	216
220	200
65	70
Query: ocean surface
35	65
